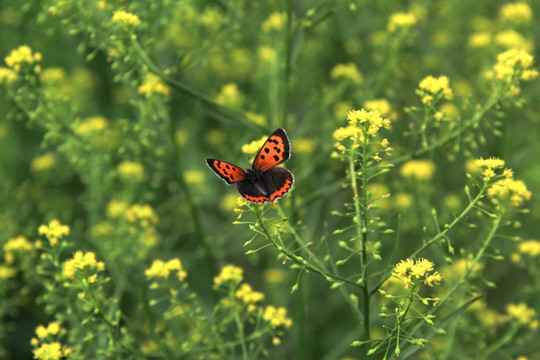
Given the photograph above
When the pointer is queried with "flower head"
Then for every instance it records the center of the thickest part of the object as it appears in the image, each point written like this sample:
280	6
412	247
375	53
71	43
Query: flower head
247	295
346	71
510	191
411	272
530	247
518	12
523	315
153	84
276	316
401	22
418	169
83	266
435	88
127	18
92	125
514	63
161	269
254	146
274	22
130	170
141	214
229	273
488	165
54	231
20	56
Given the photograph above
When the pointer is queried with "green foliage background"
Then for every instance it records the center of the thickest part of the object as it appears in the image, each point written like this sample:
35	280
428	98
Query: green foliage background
284	75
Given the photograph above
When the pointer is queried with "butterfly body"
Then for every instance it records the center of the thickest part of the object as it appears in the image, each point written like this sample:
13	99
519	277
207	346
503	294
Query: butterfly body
264	181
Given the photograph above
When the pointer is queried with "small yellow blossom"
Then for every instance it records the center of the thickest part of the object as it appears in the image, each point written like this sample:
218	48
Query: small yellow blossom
49	351
518	12
480	39
143	214
43	162
403	200
22	55
530	247
304	146
7	272
274	22
401	21
514	62
92	125
82	262
230	95
488	165
215	137
409	271
116	208
512	39
228	202
163	269
267	54
274	276
434	87
7	75
130	170
276	316
54	231
124	17
256	118
53	75
229	273
523	314
194	177
371	118
247	295
153	84
510	191
18	244
254	146
52	329
346	71
380	105
418	169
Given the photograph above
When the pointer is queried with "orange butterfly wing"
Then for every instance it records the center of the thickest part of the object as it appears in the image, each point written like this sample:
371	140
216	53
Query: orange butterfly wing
228	172
276	150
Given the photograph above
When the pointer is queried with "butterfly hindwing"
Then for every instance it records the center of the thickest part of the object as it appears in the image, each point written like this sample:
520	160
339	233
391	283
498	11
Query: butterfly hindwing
228	172
276	150
272	184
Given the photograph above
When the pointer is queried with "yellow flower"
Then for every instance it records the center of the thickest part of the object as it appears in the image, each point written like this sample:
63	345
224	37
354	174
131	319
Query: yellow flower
274	22
403	200
523	314
373	119
346	71
488	165
194	177
181	137
518	12
512	39
52	329
115	208
53	75
480	39
247	295
304	146
230	95
82	262
380	105
46	351
18	244
276	317
514	62
163	269
274	276
256	118
229	273
124	17
153	84
514	192
408	270
418	169
228	202
43	162
23	54
130	170
7	272
92	125
254	146
401	21
7	75
530	247
143	214
435	87
267	54
54	231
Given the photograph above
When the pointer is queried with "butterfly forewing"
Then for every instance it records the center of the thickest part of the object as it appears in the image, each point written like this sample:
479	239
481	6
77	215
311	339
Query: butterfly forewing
276	150
228	172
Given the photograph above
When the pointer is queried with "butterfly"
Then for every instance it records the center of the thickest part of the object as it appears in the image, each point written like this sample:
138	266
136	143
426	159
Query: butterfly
264	181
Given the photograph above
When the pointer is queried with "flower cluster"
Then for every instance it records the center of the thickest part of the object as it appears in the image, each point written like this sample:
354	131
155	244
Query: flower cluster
54	231
23	55
410	272
254	146
432	89
509	191
161	269
514	64
142	214
124	17
488	165
361	124
46	345
130	170
229	273
530	247
153	84
249	297
524	315
419	169
401	22
276	316
83	267
518	12
230	95
346	71
92	125
20	244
